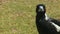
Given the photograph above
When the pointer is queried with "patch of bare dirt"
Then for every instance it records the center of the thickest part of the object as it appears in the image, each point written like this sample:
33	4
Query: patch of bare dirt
3	1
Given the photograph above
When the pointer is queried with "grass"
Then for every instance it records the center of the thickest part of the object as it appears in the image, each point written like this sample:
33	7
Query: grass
18	16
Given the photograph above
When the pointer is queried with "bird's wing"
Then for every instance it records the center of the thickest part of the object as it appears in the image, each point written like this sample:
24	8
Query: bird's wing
55	21
56	26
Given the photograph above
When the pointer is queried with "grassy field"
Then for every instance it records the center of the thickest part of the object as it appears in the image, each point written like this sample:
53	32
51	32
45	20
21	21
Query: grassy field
18	16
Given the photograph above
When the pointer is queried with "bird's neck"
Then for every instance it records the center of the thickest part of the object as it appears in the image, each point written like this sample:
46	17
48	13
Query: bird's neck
40	16
43	16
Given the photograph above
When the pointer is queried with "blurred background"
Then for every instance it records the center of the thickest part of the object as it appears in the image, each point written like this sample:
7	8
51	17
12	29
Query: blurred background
18	16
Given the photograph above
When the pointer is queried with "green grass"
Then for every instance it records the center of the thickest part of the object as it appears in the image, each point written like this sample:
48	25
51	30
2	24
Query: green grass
18	16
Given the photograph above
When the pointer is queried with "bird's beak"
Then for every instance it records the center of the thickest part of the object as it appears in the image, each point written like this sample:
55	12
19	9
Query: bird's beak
41	8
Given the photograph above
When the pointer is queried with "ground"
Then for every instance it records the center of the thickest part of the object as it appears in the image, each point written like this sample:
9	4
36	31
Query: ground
18	16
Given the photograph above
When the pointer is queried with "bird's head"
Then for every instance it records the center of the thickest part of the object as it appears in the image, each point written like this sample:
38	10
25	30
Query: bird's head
40	9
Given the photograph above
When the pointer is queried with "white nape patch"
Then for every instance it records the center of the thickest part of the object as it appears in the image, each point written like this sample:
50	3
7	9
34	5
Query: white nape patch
41	8
46	17
57	27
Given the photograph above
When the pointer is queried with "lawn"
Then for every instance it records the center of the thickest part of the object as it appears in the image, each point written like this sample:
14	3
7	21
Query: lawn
18	16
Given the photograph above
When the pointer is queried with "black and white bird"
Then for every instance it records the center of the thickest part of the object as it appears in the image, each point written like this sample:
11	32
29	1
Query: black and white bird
46	25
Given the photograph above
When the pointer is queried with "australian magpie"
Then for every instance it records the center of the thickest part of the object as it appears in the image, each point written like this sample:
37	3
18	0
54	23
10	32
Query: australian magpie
45	24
